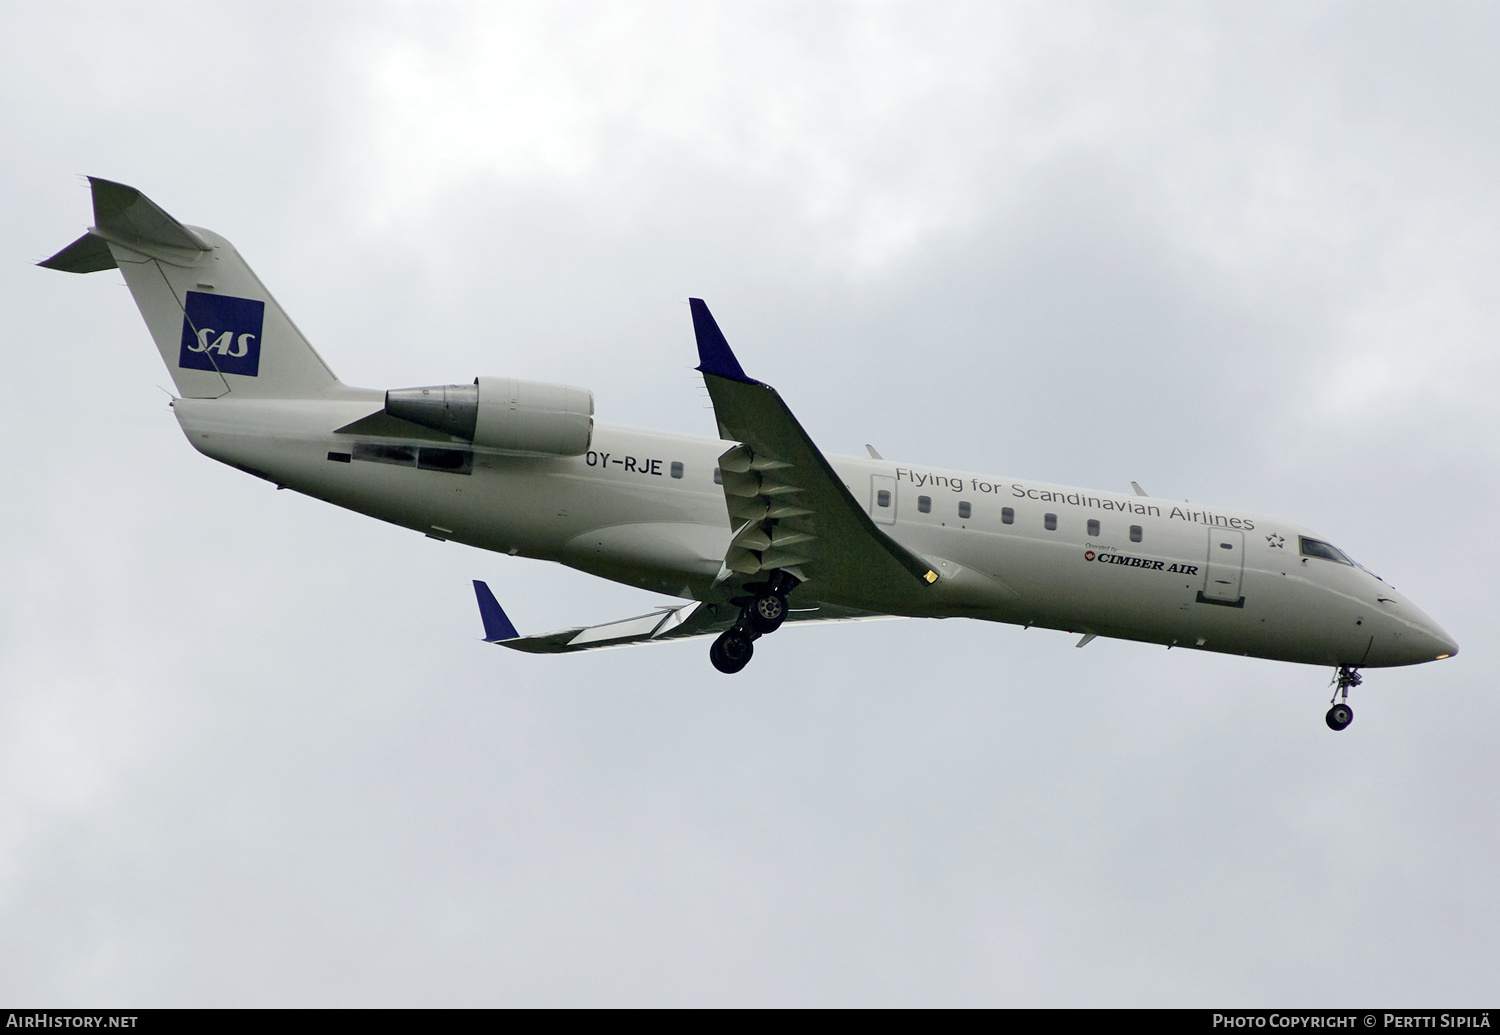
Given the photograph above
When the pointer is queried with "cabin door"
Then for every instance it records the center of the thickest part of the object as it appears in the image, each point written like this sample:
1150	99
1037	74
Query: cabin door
883	499
1226	567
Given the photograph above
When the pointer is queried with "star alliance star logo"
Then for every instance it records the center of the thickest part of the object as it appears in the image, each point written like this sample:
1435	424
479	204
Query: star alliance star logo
1275	541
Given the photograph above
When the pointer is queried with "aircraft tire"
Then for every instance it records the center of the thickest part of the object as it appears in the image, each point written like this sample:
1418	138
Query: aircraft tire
766	613
731	652
1339	717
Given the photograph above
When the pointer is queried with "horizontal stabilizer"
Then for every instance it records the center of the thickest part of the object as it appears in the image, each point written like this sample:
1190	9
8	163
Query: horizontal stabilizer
129	215
88	254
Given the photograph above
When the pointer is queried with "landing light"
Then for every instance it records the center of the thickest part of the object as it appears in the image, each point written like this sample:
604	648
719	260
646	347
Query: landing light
931	577
1440	657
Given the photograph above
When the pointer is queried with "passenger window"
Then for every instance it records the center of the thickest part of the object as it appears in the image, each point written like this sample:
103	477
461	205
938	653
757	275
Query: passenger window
883	498
718	476
924	504
1051	522
1008	515
676	468
1093	529
1135	533
964	510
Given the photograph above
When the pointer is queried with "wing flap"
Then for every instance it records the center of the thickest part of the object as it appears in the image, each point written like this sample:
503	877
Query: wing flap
694	619
669	623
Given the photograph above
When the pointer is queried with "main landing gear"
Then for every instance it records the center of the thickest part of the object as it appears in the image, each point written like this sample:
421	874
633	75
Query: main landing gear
1341	715
766	612
732	651
761	613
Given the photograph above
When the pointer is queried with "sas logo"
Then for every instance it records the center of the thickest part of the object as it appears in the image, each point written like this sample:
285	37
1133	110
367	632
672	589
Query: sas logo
220	332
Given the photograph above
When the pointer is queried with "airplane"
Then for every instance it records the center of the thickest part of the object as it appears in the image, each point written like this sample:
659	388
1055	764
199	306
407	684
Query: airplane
753	528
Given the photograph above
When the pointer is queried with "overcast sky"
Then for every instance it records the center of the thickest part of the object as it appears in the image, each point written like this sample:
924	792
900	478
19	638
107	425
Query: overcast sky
252	751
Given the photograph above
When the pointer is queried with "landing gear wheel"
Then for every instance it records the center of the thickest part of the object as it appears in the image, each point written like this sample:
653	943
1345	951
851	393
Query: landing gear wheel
766	612
731	652
1341	715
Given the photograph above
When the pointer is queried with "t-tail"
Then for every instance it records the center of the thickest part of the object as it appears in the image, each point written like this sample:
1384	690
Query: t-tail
217	327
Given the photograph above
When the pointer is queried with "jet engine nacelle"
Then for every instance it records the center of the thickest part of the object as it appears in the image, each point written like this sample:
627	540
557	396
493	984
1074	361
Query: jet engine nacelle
503	413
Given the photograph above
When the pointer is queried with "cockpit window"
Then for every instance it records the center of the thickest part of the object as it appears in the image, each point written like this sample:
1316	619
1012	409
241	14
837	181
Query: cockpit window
1315	548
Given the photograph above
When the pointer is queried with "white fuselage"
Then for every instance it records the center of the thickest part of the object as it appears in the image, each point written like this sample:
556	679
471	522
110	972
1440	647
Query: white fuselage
644	509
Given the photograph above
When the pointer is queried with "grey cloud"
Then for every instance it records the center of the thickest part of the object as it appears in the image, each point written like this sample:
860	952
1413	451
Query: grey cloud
252	752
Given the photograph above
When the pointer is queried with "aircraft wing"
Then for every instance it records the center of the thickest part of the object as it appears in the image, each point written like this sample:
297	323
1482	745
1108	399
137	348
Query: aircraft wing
660	626
788	507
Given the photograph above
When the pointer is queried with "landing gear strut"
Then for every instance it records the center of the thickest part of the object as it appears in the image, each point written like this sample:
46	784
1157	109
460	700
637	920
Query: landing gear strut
1341	715
761	612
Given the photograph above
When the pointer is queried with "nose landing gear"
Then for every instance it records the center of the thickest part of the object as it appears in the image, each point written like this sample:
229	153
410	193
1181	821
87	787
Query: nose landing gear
1341	715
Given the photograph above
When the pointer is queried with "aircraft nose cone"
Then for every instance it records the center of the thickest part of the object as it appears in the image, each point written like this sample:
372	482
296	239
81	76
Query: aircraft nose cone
1431	640
1421	639
1446	647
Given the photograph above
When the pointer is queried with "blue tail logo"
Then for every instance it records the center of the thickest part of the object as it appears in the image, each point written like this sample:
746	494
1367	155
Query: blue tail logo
221	332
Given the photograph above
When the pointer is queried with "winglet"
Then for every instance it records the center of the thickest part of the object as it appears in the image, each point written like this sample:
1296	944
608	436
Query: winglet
714	355
497	626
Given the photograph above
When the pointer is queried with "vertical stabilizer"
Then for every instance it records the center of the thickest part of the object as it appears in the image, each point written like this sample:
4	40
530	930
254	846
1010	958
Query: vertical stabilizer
217	327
